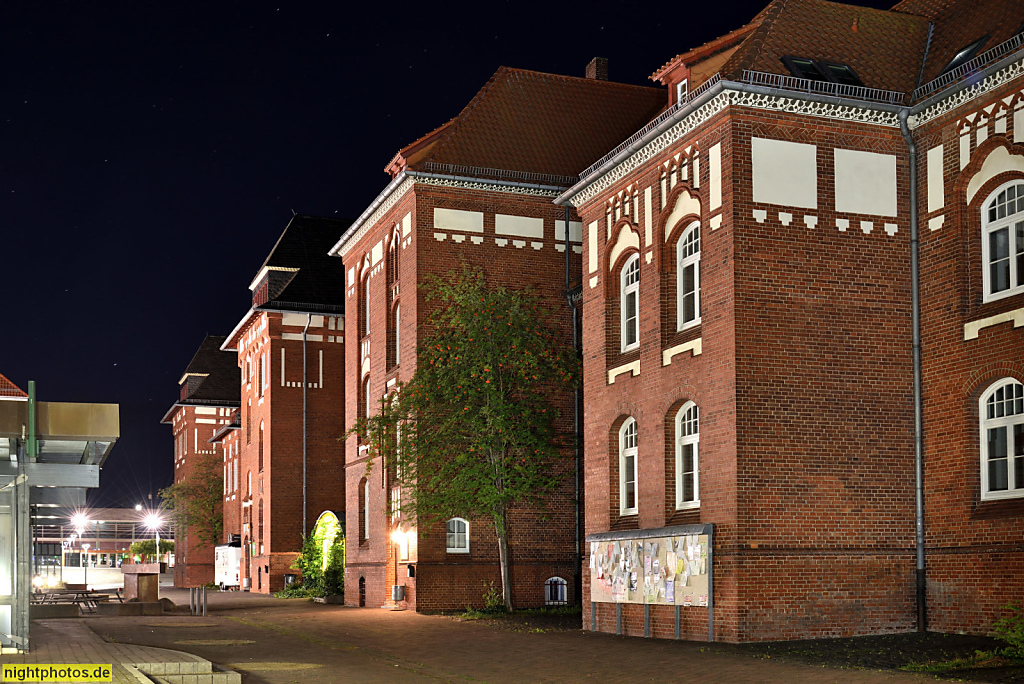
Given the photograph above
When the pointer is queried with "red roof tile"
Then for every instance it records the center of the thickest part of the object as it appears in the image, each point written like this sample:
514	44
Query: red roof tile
534	122
9	389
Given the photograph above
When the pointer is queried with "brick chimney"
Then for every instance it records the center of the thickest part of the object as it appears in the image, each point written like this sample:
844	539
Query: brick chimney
598	68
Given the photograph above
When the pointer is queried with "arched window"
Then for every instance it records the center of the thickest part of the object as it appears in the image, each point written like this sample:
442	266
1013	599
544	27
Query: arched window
458	536
260	452
555	593
629	289
627	467
1002	242
368	407
688	277
687	470
248	484
1002	440
260	528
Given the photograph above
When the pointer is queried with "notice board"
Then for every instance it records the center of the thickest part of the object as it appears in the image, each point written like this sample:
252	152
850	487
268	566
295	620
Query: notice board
668	570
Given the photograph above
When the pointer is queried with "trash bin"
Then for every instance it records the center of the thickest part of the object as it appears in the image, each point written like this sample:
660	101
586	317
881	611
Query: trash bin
397	592
289	579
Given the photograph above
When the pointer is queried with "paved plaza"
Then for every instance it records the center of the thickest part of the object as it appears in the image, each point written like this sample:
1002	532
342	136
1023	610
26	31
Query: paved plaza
287	641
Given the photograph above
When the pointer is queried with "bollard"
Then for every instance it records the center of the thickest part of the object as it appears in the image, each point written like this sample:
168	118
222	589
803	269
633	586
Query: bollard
204	601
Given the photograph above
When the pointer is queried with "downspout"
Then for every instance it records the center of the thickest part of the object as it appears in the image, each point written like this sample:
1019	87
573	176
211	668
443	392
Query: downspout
578	568
915	306
305	387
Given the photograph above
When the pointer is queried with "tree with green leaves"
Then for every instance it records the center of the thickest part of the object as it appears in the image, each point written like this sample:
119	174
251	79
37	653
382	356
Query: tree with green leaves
196	503
147	547
473	432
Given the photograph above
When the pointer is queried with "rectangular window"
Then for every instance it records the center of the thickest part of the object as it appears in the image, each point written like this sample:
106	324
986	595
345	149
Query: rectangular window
998	479
630	323
630	483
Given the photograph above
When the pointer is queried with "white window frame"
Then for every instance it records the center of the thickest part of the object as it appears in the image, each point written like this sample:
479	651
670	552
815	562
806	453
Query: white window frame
1015	488
685	258
682	90
366	397
563	590
687	424
629	286
366	510
628	444
448	536
989	226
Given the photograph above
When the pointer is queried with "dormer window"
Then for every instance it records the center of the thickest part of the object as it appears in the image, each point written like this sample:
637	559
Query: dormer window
819	70
965	54
682	90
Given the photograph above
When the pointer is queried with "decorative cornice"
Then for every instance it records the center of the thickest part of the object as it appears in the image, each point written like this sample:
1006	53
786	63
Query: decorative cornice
973	92
866	114
651	150
808	107
484	185
365	224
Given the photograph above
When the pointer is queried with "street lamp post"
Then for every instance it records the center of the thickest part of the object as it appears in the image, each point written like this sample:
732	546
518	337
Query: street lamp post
85	568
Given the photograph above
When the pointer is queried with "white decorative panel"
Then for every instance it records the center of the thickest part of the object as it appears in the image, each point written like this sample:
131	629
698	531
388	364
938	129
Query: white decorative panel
457	219
784	172
406	224
965	150
575	231
647	216
936	193
592	247
377	253
715	175
520	226
865	182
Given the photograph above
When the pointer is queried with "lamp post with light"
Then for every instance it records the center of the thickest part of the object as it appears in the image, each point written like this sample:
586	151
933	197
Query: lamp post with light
85	568
153	522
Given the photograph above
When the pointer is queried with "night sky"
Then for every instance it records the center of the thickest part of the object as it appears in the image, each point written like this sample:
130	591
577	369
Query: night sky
151	154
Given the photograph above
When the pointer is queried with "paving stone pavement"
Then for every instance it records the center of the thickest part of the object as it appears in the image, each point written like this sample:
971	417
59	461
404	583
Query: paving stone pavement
277	641
70	641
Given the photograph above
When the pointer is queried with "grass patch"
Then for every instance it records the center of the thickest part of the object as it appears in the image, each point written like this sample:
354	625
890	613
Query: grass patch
979	661
294	592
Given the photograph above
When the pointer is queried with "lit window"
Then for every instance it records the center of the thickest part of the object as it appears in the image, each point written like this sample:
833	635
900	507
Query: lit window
1002	440
687	470
366	306
630	295
398	334
682	90
1002	245
458	536
627	467
260	452
688	277
555	592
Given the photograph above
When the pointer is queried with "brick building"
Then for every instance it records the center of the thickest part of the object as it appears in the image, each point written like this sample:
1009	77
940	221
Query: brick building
749	308
476	191
208	399
290	346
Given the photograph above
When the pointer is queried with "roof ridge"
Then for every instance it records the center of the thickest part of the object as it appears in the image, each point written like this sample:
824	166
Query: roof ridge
459	118
750	48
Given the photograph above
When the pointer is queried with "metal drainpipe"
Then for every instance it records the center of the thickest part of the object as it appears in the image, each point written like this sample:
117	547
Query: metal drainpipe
578	570
309	319
915	305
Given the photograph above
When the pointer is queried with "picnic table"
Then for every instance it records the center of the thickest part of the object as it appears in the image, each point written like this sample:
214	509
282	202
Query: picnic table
85	599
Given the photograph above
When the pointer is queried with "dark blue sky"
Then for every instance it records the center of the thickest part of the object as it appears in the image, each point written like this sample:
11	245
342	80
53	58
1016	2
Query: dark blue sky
151	153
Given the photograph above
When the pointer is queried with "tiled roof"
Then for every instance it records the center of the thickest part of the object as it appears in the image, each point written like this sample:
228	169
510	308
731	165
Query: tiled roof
303	245
958	23
532	122
222	381
9	389
884	48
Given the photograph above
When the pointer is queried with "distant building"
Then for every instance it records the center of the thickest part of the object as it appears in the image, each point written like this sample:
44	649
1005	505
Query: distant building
478	191
208	400
748	331
50	453
287	455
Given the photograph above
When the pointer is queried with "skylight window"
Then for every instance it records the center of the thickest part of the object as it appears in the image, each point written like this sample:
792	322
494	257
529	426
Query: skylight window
965	54
804	68
819	70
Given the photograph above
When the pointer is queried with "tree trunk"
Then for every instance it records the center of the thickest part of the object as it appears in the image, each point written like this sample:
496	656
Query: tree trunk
505	559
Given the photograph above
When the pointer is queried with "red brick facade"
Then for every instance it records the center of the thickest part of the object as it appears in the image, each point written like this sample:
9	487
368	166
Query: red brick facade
542	543
801	364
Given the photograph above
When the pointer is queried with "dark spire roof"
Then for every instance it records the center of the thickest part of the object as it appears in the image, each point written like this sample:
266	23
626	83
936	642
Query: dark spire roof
298	272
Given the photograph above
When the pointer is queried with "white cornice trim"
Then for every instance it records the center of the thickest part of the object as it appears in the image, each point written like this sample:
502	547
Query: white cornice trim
387	199
263	272
965	95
